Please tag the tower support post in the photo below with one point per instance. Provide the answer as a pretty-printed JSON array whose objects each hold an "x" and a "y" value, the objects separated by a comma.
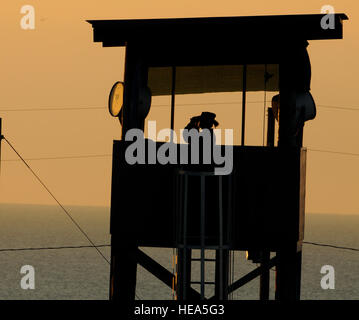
[
  {"x": 123, "y": 272},
  {"x": 288, "y": 274}
]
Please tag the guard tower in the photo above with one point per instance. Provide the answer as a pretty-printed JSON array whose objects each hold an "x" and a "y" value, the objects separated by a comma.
[{"x": 259, "y": 206}]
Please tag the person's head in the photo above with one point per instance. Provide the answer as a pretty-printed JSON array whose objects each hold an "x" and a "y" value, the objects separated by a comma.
[{"x": 208, "y": 120}]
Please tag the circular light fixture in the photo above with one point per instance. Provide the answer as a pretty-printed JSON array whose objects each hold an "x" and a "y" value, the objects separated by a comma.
[{"x": 115, "y": 101}]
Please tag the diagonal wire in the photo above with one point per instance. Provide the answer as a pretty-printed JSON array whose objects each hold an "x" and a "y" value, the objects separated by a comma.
[
  {"x": 51, "y": 109},
  {"x": 62, "y": 207},
  {"x": 109, "y": 245},
  {"x": 62, "y": 157},
  {"x": 330, "y": 246},
  {"x": 57, "y": 201},
  {"x": 335, "y": 152},
  {"x": 52, "y": 248}
]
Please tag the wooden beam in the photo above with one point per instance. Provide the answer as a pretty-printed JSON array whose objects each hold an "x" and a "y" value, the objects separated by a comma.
[
  {"x": 250, "y": 276},
  {"x": 214, "y": 30},
  {"x": 161, "y": 273}
]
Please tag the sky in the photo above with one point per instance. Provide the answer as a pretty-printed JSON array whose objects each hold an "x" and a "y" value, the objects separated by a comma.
[{"x": 57, "y": 65}]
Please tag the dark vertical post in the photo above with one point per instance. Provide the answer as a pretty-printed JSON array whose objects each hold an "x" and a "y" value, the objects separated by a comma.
[
  {"x": 123, "y": 268},
  {"x": 203, "y": 226},
  {"x": 221, "y": 276},
  {"x": 244, "y": 97},
  {"x": 124, "y": 250},
  {"x": 136, "y": 74},
  {"x": 173, "y": 97},
  {"x": 290, "y": 75},
  {"x": 265, "y": 254},
  {"x": 184, "y": 253},
  {"x": 184, "y": 274},
  {"x": 288, "y": 273},
  {"x": 271, "y": 128},
  {"x": 287, "y": 114},
  {"x": 123, "y": 272},
  {"x": 222, "y": 255},
  {"x": 265, "y": 277}
]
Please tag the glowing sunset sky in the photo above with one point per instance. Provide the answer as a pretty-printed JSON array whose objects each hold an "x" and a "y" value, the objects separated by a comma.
[{"x": 59, "y": 65}]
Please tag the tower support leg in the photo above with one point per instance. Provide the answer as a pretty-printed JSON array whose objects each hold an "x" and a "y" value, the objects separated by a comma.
[
  {"x": 184, "y": 274},
  {"x": 265, "y": 277},
  {"x": 123, "y": 272},
  {"x": 288, "y": 277},
  {"x": 221, "y": 274}
]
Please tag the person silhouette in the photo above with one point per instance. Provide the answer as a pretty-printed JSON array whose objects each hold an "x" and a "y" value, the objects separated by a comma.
[{"x": 205, "y": 121}]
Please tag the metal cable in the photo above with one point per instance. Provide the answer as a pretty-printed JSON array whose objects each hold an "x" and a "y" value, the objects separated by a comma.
[{"x": 57, "y": 201}]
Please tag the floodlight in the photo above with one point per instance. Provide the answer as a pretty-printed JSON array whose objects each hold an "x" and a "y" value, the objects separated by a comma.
[{"x": 115, "y": 101}]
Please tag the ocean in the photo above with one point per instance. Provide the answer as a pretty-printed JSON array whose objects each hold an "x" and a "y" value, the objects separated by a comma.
[{"x": 83, "y": 274}]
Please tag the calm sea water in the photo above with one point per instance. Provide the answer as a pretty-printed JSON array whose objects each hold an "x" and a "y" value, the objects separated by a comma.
[{"x": 83, "y": 274}]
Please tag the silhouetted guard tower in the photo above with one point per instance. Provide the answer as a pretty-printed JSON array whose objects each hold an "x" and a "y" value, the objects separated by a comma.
[{"x": 259, "y": 207}]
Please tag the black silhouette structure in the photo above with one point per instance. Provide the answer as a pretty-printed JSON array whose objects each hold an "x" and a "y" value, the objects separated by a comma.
[
  {"x": 205, "y": 121},
  {"x": 259, "y": 206}
]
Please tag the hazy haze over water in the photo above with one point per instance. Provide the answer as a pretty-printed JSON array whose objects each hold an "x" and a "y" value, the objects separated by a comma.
[{"x": 83, "y": 274}]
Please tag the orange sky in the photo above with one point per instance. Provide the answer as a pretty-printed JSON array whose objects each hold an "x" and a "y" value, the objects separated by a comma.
[{"x": 58, "y": 65}]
